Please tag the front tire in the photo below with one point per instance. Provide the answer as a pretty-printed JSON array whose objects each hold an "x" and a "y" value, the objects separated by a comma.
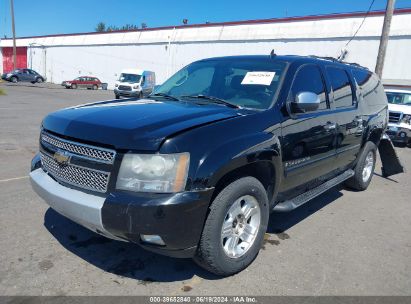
[
  {"x": 364, "y": 169},
  {"x": 234, "y": 229},
  {"x": 95, "y": 87},
  {"x": 117, "y": 96},
  {"x": 74, "y": 86},
  {"x": 39, "y": 80},
  {"x": 14, "y": 79}
]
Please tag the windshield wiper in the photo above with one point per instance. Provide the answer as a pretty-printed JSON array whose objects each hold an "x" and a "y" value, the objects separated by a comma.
[
  {"x": 213, "y": 99},
  {"x": 163, "y": 95}
]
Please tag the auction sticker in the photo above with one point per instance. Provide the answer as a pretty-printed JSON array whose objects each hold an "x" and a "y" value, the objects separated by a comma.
[{"x": 263, "y": 78}]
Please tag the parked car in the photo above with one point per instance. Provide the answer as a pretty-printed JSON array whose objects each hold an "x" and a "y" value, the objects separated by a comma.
[
  {"x": 135, "y": 83},
  {"x": 195, "y": 169},
  {"x": 23, "y": 75},
  {"x": 88, "y": 82},
  {"x": 399, "y": 125}
]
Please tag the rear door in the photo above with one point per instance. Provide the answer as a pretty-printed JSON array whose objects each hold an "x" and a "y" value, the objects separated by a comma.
[
  {"x": 308, "y": 138},
  {"x": 349, "y": 120}
]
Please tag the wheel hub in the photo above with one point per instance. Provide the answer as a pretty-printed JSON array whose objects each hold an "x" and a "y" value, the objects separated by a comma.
[{"x": 240, "y": 226}]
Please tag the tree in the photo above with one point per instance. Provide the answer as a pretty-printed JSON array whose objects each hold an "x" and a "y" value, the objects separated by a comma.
[
  {"x": 143, "y": 25},
  {"x": 101, "y": 27},
  {"x": 127, "y": 27}
]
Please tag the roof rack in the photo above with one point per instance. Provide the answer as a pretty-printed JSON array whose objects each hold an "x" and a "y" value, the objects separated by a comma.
[{"x": 337, "y": 60}]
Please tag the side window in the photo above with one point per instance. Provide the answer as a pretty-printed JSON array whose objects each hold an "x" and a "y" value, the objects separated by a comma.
[
  {"x": 361, "y": 76},
  {"x": 368, "y": 82},
  {"x": 143, "y": 82},
  {"x": 309, "y": 79},
  {"x": 340, "y": 83}
]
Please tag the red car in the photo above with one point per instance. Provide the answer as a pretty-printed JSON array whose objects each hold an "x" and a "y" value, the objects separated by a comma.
[{"x": 88, "y": 82}]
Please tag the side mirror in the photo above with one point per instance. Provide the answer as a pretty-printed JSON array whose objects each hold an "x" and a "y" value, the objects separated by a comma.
[{"x": 305, "y": 102}]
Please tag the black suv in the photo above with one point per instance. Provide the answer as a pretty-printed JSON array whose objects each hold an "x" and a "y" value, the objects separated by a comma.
[{"x": 195, "y": 169}]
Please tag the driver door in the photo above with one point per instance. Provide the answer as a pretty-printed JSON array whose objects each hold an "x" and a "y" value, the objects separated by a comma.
[{"x": 308, "y": 139}]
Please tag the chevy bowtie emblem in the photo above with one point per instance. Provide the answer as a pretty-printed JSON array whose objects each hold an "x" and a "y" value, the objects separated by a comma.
[{"x": 62, "y": 158}]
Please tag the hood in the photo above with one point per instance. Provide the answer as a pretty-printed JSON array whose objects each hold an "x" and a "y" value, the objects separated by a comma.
[
  {"x": 406, "y": 109},
  {"x": 133, "y": 124}
]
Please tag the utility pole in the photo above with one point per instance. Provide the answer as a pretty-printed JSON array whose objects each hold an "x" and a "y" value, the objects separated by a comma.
[
  {"x": 14, "y": 34},
  {"x": 384, "y": 37}
]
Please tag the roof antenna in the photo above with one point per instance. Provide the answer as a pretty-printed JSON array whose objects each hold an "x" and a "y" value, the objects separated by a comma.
[
  {"x": 273, "y": 54},
  {"x": 343, "y": 54}
]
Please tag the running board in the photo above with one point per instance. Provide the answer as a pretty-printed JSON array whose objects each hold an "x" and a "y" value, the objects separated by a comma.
[{"x": 309, "y": 195}]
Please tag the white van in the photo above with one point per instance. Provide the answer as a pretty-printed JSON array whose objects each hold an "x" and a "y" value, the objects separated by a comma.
[{"x": 135, "y": 83}]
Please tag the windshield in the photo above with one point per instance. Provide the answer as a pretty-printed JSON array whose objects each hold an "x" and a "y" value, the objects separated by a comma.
[
  {"x": 399, "y": 98},
  {"x": 130, "y": 78},
  {"x": 249, "y": 83}
]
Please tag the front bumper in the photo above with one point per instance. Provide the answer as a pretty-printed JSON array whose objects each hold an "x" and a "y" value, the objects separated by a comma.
[
  {"x": 178, "y": 217},
  {"x": 80, "y": 207},
  {"x": 399, "y": 133}
]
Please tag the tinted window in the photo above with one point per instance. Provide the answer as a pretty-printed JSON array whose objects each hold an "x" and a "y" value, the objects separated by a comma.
[
  {"x": 341, "y": 86},
  {"x": 361, "y": 76},
  {"x": 309, "y": 79}
]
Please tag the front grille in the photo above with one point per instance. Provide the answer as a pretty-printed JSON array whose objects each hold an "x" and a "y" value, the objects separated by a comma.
[
  {"x": 95, "y": 153},
  {"x": 124, "y": 88},
  {"x": 394, "y": 117},
  {"x": 75, "y": 175}
]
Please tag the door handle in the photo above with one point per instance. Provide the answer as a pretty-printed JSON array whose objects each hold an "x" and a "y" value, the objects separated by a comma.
[{"x": 330, "y": 126}]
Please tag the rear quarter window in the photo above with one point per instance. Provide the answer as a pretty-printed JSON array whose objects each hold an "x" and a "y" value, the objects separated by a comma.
[{"x": 341, "y": 85}]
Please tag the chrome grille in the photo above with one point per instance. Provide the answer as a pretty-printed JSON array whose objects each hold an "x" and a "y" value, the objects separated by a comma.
[
  {"x": 96, "y": 153},
  {"x": 78, "y": 176},
  {"x": 394, "y": 117}
]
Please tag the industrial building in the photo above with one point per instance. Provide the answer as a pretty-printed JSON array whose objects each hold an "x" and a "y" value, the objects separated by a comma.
[{"x": 167, "y": 49}]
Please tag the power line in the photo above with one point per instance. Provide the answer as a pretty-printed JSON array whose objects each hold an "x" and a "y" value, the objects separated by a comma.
[{"x": 362, "y": 23}]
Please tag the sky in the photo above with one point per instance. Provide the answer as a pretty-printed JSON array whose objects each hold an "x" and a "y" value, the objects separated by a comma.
[{"x": 46, "y": 17}]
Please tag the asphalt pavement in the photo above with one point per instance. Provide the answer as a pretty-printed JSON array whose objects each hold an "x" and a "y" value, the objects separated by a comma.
[{"x": 341, "y": 243}]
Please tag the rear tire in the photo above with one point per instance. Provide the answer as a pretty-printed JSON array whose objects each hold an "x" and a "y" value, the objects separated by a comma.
[
  {"x": 364, "y": 169},
  {"x": 230, "y": 242}
]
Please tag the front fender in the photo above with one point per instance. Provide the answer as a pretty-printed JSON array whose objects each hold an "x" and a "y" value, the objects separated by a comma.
[{"x": 238, "y": 153}]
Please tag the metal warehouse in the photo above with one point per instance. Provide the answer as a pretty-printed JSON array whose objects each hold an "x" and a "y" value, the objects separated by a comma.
[{"x": 167, "y": 49}]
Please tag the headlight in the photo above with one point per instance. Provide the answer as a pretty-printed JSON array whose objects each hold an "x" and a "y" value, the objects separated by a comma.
[
  {"x": 153, "y": 172},
  {"x": 406, "y": 119},
  {"x": 135, "y": 87}
]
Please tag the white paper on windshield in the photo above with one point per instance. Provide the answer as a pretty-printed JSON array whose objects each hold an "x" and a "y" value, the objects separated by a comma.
[{"x": 263, "y": 78}]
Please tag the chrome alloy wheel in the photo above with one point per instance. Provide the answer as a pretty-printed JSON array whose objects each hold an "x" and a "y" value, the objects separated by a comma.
[
  {"x": 368, "y": 167},
  {"x": 240, "y": 226}
]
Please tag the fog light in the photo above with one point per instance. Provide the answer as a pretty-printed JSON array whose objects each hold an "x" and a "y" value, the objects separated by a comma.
[
  {"x": 153, "y": 239},
  {"x": 402, "y": 134}
]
